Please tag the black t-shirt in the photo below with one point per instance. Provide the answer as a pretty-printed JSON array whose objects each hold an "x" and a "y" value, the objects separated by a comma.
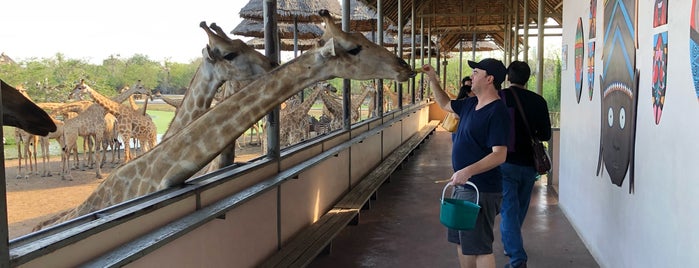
[{"x": 519, "y": 148}]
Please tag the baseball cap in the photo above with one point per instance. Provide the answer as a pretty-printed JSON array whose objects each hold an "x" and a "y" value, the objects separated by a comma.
[{"x": 493, "y": 67}]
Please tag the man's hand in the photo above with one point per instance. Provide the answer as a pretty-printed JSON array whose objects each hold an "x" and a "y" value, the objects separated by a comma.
[{"x": 460, "y": 177}]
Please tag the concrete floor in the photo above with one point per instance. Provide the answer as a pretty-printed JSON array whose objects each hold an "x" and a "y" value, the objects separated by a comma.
[{"x": 402, "y": 228}]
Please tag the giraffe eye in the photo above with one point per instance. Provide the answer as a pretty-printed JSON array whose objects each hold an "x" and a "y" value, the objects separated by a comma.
[
  {"x": 230, "y": 56},
  {"x": 610, "y": 117},
  {"x": 355, "y": 50},
  {"x": 622, "y": 118}
]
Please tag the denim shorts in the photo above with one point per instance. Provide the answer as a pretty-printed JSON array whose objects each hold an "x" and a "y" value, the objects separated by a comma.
[{"x": 478, "y": 241}]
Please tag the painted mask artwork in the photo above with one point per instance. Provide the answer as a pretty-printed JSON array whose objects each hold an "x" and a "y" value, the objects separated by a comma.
[
  {"x": 694, "y": 44},
  {"x": 659, "y": 74},
  {"x": 591, "y": 68},
  {"x": 660, "y": 13},
  {"x": 579, "y": 55},
  {"x": 619, "y": 87},
  {"x": 593, "y": 19}
]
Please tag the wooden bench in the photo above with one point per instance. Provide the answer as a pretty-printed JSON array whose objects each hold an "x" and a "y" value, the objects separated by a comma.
[{"x": 300, "y": 250}]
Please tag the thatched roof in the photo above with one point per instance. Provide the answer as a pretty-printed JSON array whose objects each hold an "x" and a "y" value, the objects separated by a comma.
[
  {"x": 481, "y": 45},
  {"x": 303, "y": 10},
  {"x": 286, "y": 30},
  {"x": 4, "y": 59},
  {"x": 457, "y": 20},
  {"x": 285, "y": 44}
]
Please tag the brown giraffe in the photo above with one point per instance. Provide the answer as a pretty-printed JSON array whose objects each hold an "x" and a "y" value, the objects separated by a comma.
[
  {"x": 90, "y": 123},
  {"x": 339, "y": 54},
  {"x": 126, "y": 117},
  {"x": 44, "y": 144},
  {"x": 224, "y": 59},
  {"x": 332, "y": 108},
  {"x": 294, "y": 120},
  {"x": 26, "y": 148},
  {"x": 172, "y": 102},
  {"x": 19, "y": 111}
]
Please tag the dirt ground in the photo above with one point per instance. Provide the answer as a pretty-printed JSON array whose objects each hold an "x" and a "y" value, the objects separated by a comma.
[{"x": 34, "y": 199}]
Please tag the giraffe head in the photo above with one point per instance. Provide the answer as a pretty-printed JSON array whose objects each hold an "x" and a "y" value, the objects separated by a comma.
[
  {"x": 79, "y": 89},
  {"x": 19, "y": 111},
  {"x": 139, "y": 88},
  {"x": 235, "y": 59},
  {"x": 355, "y": 57}
]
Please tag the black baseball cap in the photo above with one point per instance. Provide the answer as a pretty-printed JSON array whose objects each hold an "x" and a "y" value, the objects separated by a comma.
[{"x": 493, "y": 67}]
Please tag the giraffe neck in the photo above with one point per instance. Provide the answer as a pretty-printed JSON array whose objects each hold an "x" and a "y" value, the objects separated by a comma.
[
  {"x": 124, "y": 95},
  {"x": 132, "y": 103},
  {"x": 108, "y": 104},
  {"x": 357, "y": 102},
  {"x": 333, "y": 105},
  {"x": 197, "y": 99},
  {"x": 307, "y": 103},
  {"x": 177, "y": 158}
]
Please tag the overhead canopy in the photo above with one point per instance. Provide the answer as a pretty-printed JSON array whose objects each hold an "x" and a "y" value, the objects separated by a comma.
[
  {"x": 288, "y": 10},
  {"x": 456, "y": 20},
  {"x": 253, "y": 28},
  {"x": 285, "y": 44}
]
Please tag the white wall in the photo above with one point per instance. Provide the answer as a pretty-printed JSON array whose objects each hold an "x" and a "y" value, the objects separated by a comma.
[{"x": 657, "y": 225}]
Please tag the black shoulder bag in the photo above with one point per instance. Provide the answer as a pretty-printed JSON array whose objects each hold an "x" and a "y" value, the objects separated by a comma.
[{"x": 541, "y": 157}]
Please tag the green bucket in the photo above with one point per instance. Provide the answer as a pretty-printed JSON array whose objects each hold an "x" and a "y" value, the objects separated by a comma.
[{"x": 459, "y": 214}]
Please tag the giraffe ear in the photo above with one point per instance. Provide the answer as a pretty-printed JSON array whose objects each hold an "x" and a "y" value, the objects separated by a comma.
[
  {"x": 206, "y": 54},
  {"x": 327, "y": 50}
]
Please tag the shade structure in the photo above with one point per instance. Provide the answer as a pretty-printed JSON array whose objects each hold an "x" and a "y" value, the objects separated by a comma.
[
  {"x": 253, "y": 28},
  {"x": 288, "y": 10},
  {"x": 363, "y": 18},
  {"x": 481, "y": 45},
  {"x": 389, "y": 40},
  {"x": 284, "y": 44}
]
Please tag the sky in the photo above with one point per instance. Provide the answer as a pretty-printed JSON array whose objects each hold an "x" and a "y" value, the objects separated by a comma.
[{"x": 93, "y": 30}]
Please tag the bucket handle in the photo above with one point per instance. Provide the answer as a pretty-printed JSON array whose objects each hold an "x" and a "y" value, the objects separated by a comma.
[{"x": 467, "y": 183}]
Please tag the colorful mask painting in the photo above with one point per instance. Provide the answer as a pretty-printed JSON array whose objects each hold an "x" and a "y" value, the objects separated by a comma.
[
  {"x": 591, "y": 68},
  {"x": 593, "y": 19},
  {"x": 660, "y": 13},
  {"x": 579, "y": 55},
  {"x": 659, "y": 74},
  {"x": 694, "y": 44},
  {"x": 619, "y": 86}
]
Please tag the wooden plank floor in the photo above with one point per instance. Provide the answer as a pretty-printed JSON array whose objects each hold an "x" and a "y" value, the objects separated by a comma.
[{"x": 402, "y": 228}]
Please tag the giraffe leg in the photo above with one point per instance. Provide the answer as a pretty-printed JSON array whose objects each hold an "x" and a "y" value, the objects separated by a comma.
[{"x": 127, "y": 147}]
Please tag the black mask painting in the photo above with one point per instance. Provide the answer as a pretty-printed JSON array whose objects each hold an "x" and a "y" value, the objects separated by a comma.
[{"x": 619, "y": 86}]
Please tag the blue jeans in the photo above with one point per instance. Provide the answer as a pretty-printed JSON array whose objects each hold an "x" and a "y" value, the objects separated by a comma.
[{"x": 517, "y": 184}]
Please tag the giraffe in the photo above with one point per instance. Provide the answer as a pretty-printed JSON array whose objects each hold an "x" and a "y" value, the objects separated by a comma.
[
  {"x": 224, "y": 59},
  {"x": 175, "y": 159},
  {"x": 44, "y": 144},
  {"x": 334, "y": 107},
  {"x": 126, "y": 117},
  {"x": 357, "y": 102},
  {"x": 26, "y": 147},
  {"x": 294, "y": 127},
  {"x": 90, "y": 123},
  {"x": 19, "y": 111},
  {"x": 172, "y": 102}
]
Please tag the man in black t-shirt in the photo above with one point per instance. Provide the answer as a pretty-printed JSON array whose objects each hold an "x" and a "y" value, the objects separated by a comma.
[{"x": 518, "y": 171}]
